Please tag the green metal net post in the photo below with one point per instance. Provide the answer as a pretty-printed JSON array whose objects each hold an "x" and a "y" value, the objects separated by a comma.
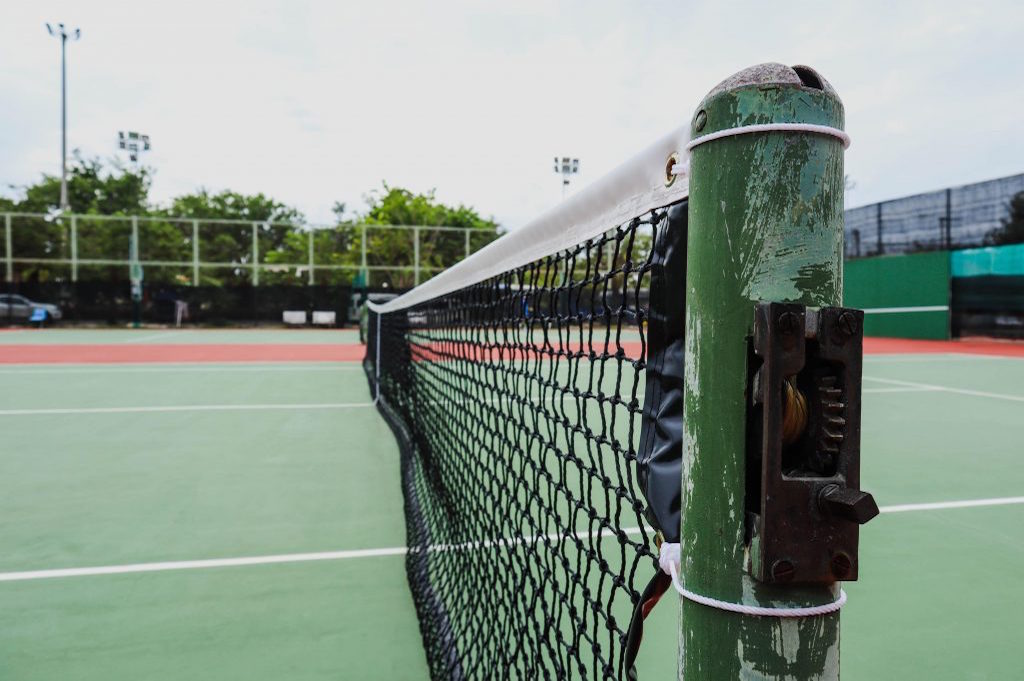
[{"x": 765, "y": 224}]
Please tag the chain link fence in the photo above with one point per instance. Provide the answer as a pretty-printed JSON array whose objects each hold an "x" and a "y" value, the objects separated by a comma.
[
  {"x": 958, "y": 217},
  {"x": 227, "y": 270}
]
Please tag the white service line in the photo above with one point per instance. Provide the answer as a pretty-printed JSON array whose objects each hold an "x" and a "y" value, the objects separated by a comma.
[
  {"x": 967, "y": 503},
  {"x": 199, "y": 564},
  {"x": 897, "y": 390},
  {"x": 151, "y": 336},
  {"x": 171, "y": 369},
  {"x": 402, "y": 550},
  {"x": 893, "y": 310},
  {"x": 184, "y": 407},
  {"x": 930, "y": 357},
  {"x": 933, "y": 357},
  {"x": 969, "y": 355},
  {"x": 947, "y": 389}
]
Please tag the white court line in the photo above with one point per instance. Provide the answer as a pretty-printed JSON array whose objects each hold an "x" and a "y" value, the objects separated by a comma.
[
  {"x": 897, "y": 390},
  {"x": 934, "y": 357},
  {"x": 170, "y": 368},
  {"x": 968, "y": 503},
  {"x": 151, "y": 336},
  {"x": 199, "y": 564},
  {"x": 402, "y": 550},
  {"x": 946, "y": 389},
  {"x": 892, "y": 310},
  {"x": 185, "y": 407},
  {"x": 968, "y": 355}
]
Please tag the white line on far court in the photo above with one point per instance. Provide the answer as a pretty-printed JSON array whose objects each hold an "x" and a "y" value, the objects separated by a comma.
[
  {"x": 173, "y": 369},
  {"x": 947, "y": 389},
  {"x": 893, "y": 310},
  {"x": 905, "y": 389},
  {"x": 967, "y": 503},
  {"x": 402, "y": 550},
  {"x": 152, "y": 336},
  {"x": 185, "y": 407}
]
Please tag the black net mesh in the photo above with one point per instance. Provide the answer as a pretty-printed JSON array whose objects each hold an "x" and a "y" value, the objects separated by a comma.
[{"x": 517, "y": 406}]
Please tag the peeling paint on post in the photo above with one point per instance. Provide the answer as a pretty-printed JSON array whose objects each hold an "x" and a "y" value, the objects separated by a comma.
[{"x": 765, "y": 223}]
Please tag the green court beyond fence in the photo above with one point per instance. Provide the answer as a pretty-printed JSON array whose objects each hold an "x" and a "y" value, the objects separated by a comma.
[
  {"x": 903, "y": 296},
  {"x": 936, "y": 295}
]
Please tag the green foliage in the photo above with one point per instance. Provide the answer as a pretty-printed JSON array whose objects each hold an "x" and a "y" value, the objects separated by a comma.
[
  {"x": 120, "y": 191},
  {"x": 1012, "y": 231},
  {"x": 229, "y": 205},
  {"x": 92, "y": 190},
  {"x": 283, "y": 241},
  {"x": 230, "y": 242},
  {"x": 438, "y": 249}
]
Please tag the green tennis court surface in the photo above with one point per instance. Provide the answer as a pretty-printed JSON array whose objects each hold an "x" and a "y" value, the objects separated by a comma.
[{"x": 162, "y": 476}]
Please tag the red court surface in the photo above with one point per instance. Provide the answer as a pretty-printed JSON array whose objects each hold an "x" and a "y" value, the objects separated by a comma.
[
  {"x": 977, "y": 346},
  {"x": 141, "y": 354},
  {"x": 354, "y": 352}
]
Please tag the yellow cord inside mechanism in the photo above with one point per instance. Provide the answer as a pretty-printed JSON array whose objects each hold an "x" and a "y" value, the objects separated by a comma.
[{"x": 794, "y": 412}]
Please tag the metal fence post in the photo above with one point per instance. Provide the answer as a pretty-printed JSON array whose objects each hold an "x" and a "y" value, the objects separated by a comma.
[
  {"x": 948, "y": 236},
  {"x": 765, "y": 224},
  {"x": 362, "y": 251},
  {"x": 74, "y": 248},
  {"x": 195, "y": 252},
  {"x": 467, "y": 242},
  {"x": 878, "y": 220},
  {"x": 134, "y": 249},
  {"x": 255, "y": 255},
  {"x": 416, "y": 256},
  {"x": 8, "y": 254},
  {"x": 310, "y": 256}
]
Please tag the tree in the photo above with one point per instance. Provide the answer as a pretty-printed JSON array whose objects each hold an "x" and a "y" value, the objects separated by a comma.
[
  {"x": 166, "y": 233},
  {"x": 92, "y": 190},
  {"x": 438, "y": 248},
  {"x": 1012, "y": 230},
  {"x": 230, "y": 242},
  {"x": 119, "y": 191}
]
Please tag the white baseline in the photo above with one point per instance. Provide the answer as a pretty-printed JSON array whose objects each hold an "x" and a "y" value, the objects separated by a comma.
[
  {"x": 184, "y": 407},
  {"x": 399, "y": 550}
]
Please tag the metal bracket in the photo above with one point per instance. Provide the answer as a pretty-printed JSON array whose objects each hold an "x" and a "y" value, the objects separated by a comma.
[{"x": 804, "y": 503}]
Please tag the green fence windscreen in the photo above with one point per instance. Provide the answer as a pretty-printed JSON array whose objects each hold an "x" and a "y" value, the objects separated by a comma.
[
  {"x": 903, "y": 296},
  {"x": 1004, "y": 261},
  {"x": 988, "y": 291}
]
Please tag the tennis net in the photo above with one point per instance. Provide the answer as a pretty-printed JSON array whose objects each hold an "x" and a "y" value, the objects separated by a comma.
[{"x": 515, "y": 385}]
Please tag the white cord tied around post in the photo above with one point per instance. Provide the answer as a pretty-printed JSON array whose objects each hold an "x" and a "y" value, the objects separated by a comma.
[
  {"x": 669, "y": 560},
  {"x": 683, "y": 167}
]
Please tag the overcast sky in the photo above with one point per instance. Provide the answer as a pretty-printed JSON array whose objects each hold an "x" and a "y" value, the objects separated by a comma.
[{"x": 313, "y": 103}]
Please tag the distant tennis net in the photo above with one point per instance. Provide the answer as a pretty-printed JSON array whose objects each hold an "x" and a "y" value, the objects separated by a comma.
[{"x": 515, "y": 386}]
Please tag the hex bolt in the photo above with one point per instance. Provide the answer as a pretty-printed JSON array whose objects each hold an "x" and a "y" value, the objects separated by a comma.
[
  {"x": 788, "y": 323},
  {"x": 701, "y": 120},
  {"x": 841, "y": 565},
  {"x": 783, "y": 571},
  {"x": 847, "y": 324},
  {"x": 853, "y": 505}
]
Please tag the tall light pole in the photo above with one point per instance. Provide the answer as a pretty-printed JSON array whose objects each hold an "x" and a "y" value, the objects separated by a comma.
[
  {"x": 566, "y": 167},
  {"x": 61, "y": 33}
]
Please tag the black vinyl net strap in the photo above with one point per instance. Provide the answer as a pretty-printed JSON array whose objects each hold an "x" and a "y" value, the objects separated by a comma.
[{"x": 516, "y": 403}]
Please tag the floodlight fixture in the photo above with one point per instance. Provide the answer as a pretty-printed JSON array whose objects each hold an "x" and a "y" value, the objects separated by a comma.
[
  {"x": 133, "y": 142},
  {"x": 566, "y": 167}
]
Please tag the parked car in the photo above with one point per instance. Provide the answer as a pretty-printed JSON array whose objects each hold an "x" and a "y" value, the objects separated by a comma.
[
  {"x": 17, "y": 307},
  {"x": 364, "y": 312}
]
